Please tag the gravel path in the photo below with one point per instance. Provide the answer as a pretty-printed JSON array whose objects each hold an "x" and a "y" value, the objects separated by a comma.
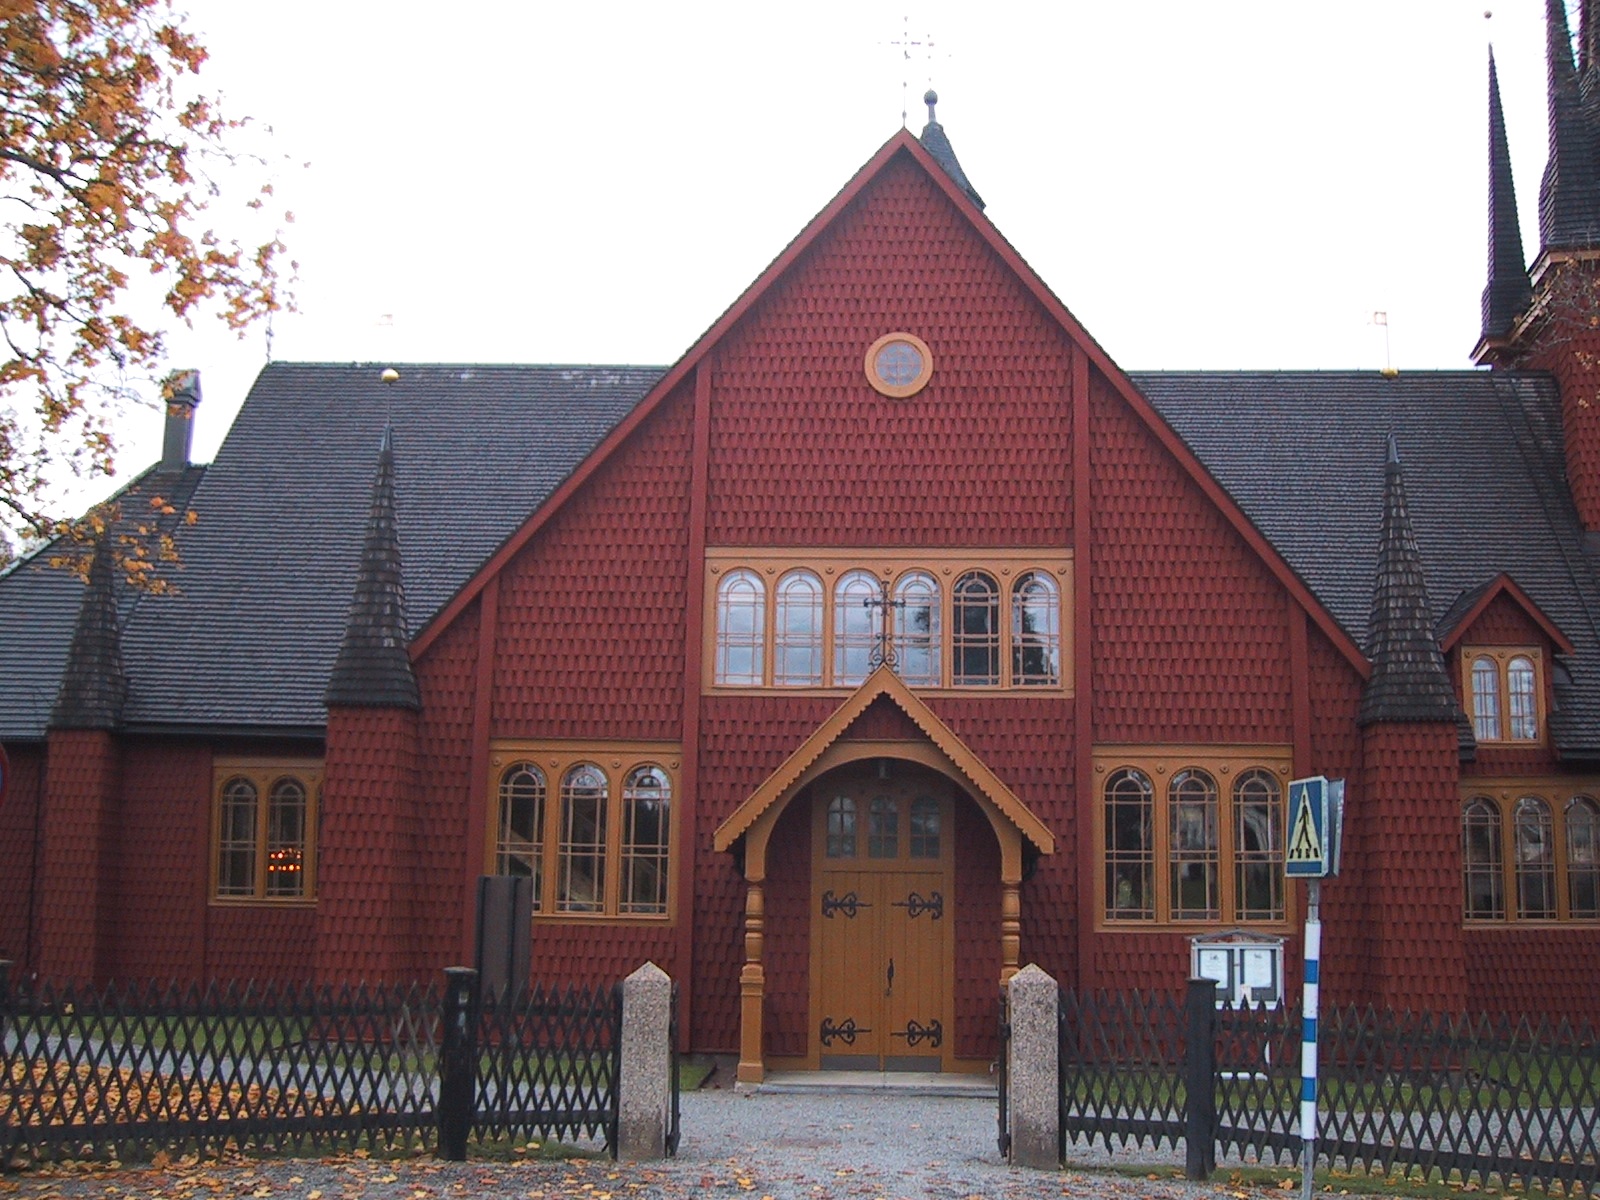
[{"x": 786, "y": 1147}]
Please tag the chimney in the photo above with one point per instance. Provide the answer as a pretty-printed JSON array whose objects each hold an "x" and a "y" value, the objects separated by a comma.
[{"x": 182, "y": 392}]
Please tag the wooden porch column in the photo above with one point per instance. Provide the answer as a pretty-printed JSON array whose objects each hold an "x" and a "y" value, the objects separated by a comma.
[
  {"x": 752, "y": 986},
  {"x": 1010, "y": 929}
]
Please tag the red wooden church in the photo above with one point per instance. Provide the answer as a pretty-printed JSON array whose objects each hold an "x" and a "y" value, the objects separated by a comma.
[{"x": 890, "y": 639}]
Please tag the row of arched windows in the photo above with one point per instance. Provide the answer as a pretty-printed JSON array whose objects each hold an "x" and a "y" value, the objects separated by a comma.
[
  {"x": 264, "y": 847},
  {"x": 803, "y": 633},
  {"x": 1504, "y": 688},
  {"x": 600, "y": 845},
  {"x": 1193, "y": 849},
  {"x": 1531, "y": 859}
]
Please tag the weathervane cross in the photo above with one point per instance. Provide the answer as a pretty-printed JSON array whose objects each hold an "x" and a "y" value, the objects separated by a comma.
[{"x": 906, "y": 44}]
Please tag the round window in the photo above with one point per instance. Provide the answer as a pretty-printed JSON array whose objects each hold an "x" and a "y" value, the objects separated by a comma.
[{"x": 899, "y": 364}]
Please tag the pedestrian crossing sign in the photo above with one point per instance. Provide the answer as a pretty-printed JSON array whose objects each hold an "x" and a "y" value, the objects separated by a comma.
[{"x": 1316, "y": 818}]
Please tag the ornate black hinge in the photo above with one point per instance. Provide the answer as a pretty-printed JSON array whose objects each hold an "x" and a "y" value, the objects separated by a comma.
[
  {"x": 916, "y": 1032},
  {"x": 845, "y": 1032},
  {"x": 849, "y": 904},
  {"x": 915, "y": 904}
]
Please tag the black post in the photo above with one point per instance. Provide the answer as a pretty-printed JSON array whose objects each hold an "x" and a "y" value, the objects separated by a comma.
[
  {"x": 458, "y": 1062},
  {"x": 1200, "y": 1079}
]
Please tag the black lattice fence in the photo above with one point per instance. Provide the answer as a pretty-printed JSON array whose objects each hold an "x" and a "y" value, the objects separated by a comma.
[
  {"x": 135, "y": 1069},
  {"x": 1122, "y": 1069},
  {"x": 131, "y": 1070},
  {"x": 548, "y": 1064},
  {"x": 1475, "y": 1097}
]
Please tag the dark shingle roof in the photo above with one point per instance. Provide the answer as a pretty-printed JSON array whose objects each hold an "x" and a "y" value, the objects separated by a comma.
[
  {"x": 1302, "y": 453},
  {"x": 40, "y": 603},
  {"x": 249, "y": 640},
  {"x": 374, "y": 667}
]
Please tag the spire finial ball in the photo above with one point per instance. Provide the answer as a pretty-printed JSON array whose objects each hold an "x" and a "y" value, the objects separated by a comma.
[
  {"x": 390, "y": 375},
  {"x": 930, "y": 98}
]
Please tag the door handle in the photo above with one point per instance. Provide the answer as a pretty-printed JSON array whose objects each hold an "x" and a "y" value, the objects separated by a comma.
[{"x": 889, "y": 991}]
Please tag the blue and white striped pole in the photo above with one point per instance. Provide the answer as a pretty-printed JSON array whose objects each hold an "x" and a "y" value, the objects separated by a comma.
[{"x": 1308, "y": 1039}]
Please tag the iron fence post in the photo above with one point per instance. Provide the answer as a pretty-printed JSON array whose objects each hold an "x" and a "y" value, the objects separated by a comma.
[
  {"x": 458, "y": 1062},
  {"x": 1200, "y": 1076}
]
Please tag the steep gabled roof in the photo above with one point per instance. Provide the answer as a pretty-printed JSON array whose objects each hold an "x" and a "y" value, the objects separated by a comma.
[
  {"x": 1302, "y": 452},
  {"x": 269, "y": 569},
  {"x": 1471, "y": 604},
  {"x": 904, "y": 144}
]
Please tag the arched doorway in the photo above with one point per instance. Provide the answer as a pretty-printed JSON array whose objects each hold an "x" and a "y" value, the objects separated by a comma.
[{"x": 882, "y": 920}]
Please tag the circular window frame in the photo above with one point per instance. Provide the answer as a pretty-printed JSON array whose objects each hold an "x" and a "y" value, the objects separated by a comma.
[{"x": 899, "y": 391}]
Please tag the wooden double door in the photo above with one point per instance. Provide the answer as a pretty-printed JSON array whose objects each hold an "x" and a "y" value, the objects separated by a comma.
[{"x": 882, "y": 922}]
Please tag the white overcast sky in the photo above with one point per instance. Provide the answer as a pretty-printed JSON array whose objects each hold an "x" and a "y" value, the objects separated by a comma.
[{"x": 1239, "y": 183}]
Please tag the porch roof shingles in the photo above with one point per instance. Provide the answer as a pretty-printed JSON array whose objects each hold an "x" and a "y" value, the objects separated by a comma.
[
  {"x": 1303, "y": 454},
  {"x": 269, "y": 568}
]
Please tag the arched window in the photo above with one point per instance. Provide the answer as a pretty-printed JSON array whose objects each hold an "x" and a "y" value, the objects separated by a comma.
[
  {"x": 646, "y": 828},
  {"x": 797, "y": 631},
  {"x": 519, "y": 847},
  {"x": 1483, "y": 865},
  {"x": 286, "y": 838},
  {"x": 1130, "y": 845},
  {"x": 1258, "y": 847},
  {"x": 236, "y": 838},
  {"x": 1035, "y": 630},
  {"x": 857, "y": 624},
  {"x": 741, "y": 629},
  {"x": 975, "y": 630},
  {"x": 916, "y": 629},
  {"x": 265, "y": 821},
  {"x": 1524, "y": 706},
  {"x": 1583, "y": 858},
  {"x": 1485, "y": 699},
  {"x": 841, "y": 827},
  {"x": 1193, "y": 854},
  {"x": 1535, "y": 860},
  {"x": 581, "y": 847}
]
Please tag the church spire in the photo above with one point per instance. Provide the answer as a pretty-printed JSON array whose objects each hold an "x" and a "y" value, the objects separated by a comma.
[
  {"x": 1508, "y": 292},
  {"x": 1409, "y": 681},
  {"x": 1568, "y": 217},
  {"x": 373, "y": 669},
  {"x": 936, "y": 144}
]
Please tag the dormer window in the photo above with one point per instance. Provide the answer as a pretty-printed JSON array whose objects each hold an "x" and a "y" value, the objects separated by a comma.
[{"x": 1505, "y": 691}]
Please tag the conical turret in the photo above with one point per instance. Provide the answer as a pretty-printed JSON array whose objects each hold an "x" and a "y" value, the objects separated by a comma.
[
  {"x": 1409, "y": 681},
  {"x": 373, "y": 668}
]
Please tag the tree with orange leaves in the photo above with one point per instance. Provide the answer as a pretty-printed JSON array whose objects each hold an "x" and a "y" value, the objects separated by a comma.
[{"x": 105, "y": 149}]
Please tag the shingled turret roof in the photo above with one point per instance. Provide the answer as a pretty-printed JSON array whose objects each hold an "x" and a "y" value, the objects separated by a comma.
[
  {"x": 935, "y": 142},
  {"x": 373, "y": 668},
  {"x": 94, "y": 685},
  {"x": 1409, "y": 681},
  {"x": 1508, "y": 292}
]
